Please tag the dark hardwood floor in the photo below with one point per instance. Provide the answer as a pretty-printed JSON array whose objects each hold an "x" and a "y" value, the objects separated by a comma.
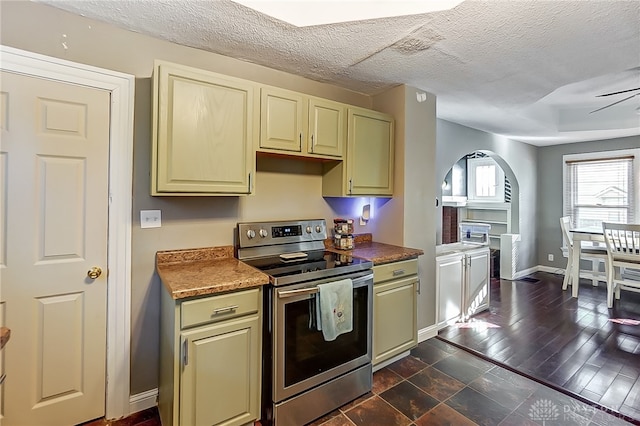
[{"x": 566, "y": 343}]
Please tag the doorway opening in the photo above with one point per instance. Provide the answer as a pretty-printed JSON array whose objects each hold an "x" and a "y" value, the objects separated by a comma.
[{"x": 481, "y": 188}]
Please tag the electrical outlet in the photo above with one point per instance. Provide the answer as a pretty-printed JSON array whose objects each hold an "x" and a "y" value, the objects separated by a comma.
[
  {"x": 550, "y": 257},
  {"x": 150, "y": 219}
]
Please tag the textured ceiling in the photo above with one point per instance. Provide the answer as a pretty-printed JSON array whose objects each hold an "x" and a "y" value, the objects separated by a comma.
[{"x": 526, "y": 69}]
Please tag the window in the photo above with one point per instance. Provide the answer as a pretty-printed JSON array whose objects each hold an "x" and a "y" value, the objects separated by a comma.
[
  {"x": 485, "y": 180},
  {"x": 599, "y": 187}
]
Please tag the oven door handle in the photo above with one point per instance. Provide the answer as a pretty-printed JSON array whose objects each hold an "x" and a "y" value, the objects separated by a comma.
[
  {"x": 298, "y": 292},
  {"x": 358, "y": 281}
]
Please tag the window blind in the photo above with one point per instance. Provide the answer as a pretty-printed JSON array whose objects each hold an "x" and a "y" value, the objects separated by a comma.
[{"x": 599, "y": 191}]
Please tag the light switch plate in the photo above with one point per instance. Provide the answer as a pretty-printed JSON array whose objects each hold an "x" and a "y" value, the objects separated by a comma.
[{"x": 150, "y": 219}]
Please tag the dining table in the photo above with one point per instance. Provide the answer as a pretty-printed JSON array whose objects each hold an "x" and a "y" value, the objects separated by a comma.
[{"x": 580, "y": 234}]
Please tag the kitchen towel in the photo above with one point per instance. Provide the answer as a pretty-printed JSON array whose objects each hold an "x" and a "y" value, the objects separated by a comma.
[{"x": 335, "y": 305}]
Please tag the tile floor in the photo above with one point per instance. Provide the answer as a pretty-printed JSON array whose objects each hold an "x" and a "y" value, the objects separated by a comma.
[{"x": 439, "y": 384}]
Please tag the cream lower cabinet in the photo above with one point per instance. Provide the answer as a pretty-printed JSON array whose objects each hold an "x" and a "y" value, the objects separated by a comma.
[
  {"x": 210, "y": 360},
  {"x": 395, "y": 322},
  {"x": 477, "y": 281},
  {"x": 368, "y": 167},
  {"x": 294, "y": 123},
  {"x": 462, "y": 285},
  {"x": 449, "y": 285},
  {"x": 204, "y": 125}
]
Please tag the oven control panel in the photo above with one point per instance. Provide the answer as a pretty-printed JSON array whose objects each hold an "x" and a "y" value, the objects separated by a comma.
[
  {"x": 286, "y": 231},
  {"x": 257, "y": 234}
]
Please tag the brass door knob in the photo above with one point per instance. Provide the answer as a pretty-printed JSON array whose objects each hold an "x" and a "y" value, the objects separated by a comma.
[{"x": 94, "y": 272}]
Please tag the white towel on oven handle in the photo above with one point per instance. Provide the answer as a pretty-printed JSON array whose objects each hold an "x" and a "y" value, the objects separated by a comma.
[{"x": 335, "y": 308}]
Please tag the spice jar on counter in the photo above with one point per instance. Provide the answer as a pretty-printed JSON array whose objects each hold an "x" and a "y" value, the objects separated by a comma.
[
  {"x": 343, "y": 241},
  {"x": 343, "y": 226}
]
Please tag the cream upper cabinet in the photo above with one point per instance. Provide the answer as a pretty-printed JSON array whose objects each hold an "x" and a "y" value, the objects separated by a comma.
[
  {"x": 281, "y": 119},
  {"x": 203, "y": 132},
  {"x": 327, "y": 127},
  {"x": 301, "y": 125},
  {"x": 368, "y": 167}
]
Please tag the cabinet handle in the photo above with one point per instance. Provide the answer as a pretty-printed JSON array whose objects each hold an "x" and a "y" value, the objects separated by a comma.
[
  {"x": 418, "y": 289},
  {"x": 398, "y": 272},
  {"x": 250, "y": 183},
  {"x": 350, "y": 186},
  {"x": 4, "y": 376},
  {"x": 225, "y": 310},
  {"x": 185, "y": 352},
  {"x": 311, "y": 143}
]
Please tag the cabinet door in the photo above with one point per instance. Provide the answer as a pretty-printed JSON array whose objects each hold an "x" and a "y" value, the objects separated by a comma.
[
  {"x": 477, "y": 282},
  {"x": 395, "y": 322},
  {"x": 370, "y": 153},
  {"x": 203, "y": 132},
  {"x": 221, "y": 373},
  {"x": 327, "y": 127},
  {"x": 281, "y": 119},
  {"x": 449, "y": 282}
]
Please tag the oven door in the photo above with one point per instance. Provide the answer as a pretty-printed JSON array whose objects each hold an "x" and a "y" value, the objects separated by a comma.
[{"x": 302, "y": 358}]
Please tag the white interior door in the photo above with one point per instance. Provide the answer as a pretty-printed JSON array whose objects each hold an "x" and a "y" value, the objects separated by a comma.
[{"x": 54, "y": 158}]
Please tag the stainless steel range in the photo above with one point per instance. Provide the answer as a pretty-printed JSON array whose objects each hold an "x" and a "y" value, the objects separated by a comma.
[{"x": 306, "y": 376}]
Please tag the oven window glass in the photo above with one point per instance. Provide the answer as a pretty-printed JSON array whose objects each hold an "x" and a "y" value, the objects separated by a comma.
[{"x": 307, "y": 354}]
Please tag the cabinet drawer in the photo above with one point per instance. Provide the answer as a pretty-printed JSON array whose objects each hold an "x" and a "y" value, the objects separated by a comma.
[
  {"x": 219, "y": 308},
  {"x": 395, "y": 270}
]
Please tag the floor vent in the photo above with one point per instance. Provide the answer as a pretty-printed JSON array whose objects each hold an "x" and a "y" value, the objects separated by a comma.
[{"x": 528, "y": 280}]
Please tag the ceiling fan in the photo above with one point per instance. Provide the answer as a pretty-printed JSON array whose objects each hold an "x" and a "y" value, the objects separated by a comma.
[{"x": 637, "y": 89}]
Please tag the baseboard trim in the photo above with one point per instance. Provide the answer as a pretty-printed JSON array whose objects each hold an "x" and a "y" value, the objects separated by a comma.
[
  {"x": 427, "y": 333},
  {"x": 525, "y": 272},
  {"x": 143, "y": 400},
  {"x": 550, "y": 269},
  {"x": 584, "y": 274},
  {"x": 390, "y": 361}
]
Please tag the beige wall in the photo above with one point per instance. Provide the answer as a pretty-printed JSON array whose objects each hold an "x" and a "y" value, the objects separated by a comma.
[
  {"x": 285, "y": 188},
  {"x": 409, "y": 219}
]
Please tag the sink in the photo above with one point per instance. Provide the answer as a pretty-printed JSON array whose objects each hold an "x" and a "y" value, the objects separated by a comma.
[{"x": 452, "y": 248}]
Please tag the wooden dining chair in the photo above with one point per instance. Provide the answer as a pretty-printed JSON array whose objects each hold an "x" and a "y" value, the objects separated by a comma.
[
  {"x": 623, "y": 250},
  {"x": 594, "y": 254}
]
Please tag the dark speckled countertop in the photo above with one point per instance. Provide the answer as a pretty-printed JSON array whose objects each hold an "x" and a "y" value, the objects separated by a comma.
[
  {"x": 205, "y": 271},
  {"x": 378, "y": 253},
  {"x": 212, "y": 270}
]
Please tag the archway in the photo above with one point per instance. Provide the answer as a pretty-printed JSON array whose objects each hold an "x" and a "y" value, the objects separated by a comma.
[{"x": 481, "y": 187}]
